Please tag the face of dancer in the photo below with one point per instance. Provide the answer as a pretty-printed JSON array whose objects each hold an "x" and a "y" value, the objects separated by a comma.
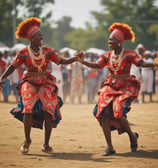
[
  {"x": 113, "y": 42},
  {"x": 37, "y": 39}
]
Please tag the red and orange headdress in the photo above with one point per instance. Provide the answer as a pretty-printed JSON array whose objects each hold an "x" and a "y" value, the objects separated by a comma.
[
  {"x": 28, "y": 28},
  {"x": 122, "y": 32}
]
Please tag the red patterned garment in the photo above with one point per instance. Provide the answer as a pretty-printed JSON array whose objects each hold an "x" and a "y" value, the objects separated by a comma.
[
  {"x": 38, "y": 83},
  {"x": 2, "y": 66},
  {"x": 120, "y": 87}
]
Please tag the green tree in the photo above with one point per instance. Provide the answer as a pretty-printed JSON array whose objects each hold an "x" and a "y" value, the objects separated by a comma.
[
  {"x": 153, "y": 32},
  {"x": 62, "y": 28},
  {"x": 81, "y": 39},
  {"x": 6, "y": 30},
  {"x": 36, "y": 8},
  {"x": 30, "y": 7},
  {"x": 48, "y": 34},
  {"x": 141, "y": 15}
]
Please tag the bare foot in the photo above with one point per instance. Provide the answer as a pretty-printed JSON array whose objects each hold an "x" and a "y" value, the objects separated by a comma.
[
  {"x": 25, "y": 147},
  {"x": 109, "y": 151},
  {"x": 47, "y": 149},
  {"x": 134, "y": 143}
]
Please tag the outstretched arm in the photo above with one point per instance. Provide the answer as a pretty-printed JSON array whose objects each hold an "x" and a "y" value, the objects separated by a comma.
[
  {"x": 10, "y": 69},
  {"x": 68, "y": 61},
  {"x": 90, "y": 64}
]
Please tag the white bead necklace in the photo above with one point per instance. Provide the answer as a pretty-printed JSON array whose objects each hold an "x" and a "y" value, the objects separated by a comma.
[
  {"x": 115, "y": 61},
  {"x": 33, "y": 58}
]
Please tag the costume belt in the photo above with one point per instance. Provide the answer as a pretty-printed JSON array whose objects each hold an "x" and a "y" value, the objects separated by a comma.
[
  {"x": 36, "y": 73},
  {"x": 120, "y": 76}
]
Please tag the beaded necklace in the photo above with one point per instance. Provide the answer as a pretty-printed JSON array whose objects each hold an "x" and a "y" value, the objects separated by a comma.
[
  {"x": 36, "y": 64},
  {"x": 115, "y": 61}
]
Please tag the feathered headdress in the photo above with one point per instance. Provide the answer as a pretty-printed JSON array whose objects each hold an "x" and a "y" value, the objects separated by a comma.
[
  {"x": 28, "y": 28},
  {"x": 122, "y": 32}
]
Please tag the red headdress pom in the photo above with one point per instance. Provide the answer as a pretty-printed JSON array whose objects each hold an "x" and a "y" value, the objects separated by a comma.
[
  {"x": 123, "y": 31},
  {"x": 28, "y": 28}
]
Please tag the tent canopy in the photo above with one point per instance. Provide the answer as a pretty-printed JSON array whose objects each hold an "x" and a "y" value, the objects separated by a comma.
[
  {"x": 95, "y": 51},
  {"x": 3, "y": 49},
  {"x": 18, "y": 46},
  {"x": 70, "y": 50}
]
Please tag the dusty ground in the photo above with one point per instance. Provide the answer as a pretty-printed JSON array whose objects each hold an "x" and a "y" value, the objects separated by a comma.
[{"x": 78, "y": 141}]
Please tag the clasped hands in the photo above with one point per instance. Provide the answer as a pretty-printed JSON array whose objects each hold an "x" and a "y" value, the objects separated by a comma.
[{"x": 79, "y": 56}]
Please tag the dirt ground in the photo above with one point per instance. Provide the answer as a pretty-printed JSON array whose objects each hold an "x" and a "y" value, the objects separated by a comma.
[{"x": 78, "y": 140}]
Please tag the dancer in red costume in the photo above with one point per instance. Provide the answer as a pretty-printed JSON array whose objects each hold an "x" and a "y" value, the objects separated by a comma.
[
  {"x": 39, "y": 102},
  {"x": 120, "y": 88}
]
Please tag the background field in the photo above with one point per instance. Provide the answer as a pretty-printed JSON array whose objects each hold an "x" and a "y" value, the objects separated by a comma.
[{"x": 78, "y": 140}]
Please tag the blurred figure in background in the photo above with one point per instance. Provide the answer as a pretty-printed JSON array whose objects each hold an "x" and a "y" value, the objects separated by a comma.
[
  {"x": 135, "y": 70},
  {"x": 66, "y": 75},
  {"x": 2, "y": 69},
  {"x": 154, "y": 55},
  {"x": 156, "y": 72},
  {"x": 147, "y": 77},
  {"x": 92, "y": 80},
  {"x": 76, "y": 87},
  {"x": 7, "y": 86},
  {"x": 57, "y": 72},
  {"x": 14, "y": 77},
  {"x": 140, "y": 49}
]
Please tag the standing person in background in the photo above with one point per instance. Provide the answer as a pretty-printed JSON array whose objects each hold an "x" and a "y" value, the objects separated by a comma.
[
  {"x": 7, "y": 86},
  {"x": 76, "y": 87},
  {"x": 147, "y": 78},
  {"x": 140, "y": 49},
  {"x": 156, "y": 72},
  {"x": 57, "y": 72},
  {"x": 38, "y": 90},
  {"x": 85, "y": 72},
  {"x": 135, "y": 70},
  {"x": 66, "y": 72},
  {"x": 92, "y": 79},
  {"x": 2, "y": 69},
  {"x": 120, "y": 88},
  {"x": 153, "y": 56},
  {"x": 14, "y": 78}
]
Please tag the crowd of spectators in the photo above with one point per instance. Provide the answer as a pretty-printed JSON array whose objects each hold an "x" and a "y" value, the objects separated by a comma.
[{"x": 76, "y": 80}]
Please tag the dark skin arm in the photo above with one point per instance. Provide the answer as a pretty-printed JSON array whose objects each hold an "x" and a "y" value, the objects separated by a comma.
[
  {"x": 10, "y": 69},
  {"x": 80, "y": 58},
  {"x": 68, "y": 61},
  {"x": 95, "y": 65},
  {"x": 91, "y": 64}
]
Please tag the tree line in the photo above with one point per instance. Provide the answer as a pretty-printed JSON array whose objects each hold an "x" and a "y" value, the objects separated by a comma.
[{"x": 140, "y": 15}]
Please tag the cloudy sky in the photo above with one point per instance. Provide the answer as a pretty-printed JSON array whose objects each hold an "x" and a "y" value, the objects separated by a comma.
[{"x": 79, "y": 10}]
